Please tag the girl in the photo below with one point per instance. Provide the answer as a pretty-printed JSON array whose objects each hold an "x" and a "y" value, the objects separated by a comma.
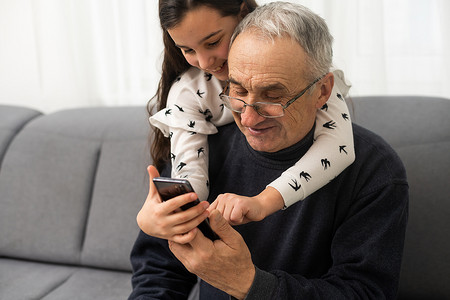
[{"x": 196, "y": 37}]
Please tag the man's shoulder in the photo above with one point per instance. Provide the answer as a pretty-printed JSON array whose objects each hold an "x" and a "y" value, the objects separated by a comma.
[{"x": 375, "y": 155}]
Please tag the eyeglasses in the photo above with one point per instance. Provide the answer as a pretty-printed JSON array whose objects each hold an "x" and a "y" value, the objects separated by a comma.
[{"x": 264, "y": 109}]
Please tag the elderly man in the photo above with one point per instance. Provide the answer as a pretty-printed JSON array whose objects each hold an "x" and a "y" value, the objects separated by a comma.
[{"x": 343, "y": 242}]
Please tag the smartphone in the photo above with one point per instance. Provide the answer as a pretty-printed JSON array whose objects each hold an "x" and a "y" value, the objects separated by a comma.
[{"x": 169, "y": 188}]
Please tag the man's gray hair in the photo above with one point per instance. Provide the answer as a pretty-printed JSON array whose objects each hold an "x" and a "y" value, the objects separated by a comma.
[{"x": 281, "y": 19}]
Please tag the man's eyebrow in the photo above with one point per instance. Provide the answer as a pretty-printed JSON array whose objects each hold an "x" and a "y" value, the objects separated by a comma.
[
  {"x": 273, "y": 87},
  {"x": 233, "y": 81},
  {"x": 270, "y": 87},
  {"x": 203, "y": 39}
]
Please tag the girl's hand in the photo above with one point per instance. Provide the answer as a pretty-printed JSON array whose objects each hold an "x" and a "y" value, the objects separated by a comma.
[
  {"x": 238, "y": 209},
  {"x": 165, "y": 219}
]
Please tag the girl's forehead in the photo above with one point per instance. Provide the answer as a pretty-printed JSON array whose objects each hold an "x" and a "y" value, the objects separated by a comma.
[{"x": 200, "y": 24}]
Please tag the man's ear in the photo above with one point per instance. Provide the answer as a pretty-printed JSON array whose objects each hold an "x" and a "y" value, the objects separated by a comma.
[{"x": 325, "y": 85}]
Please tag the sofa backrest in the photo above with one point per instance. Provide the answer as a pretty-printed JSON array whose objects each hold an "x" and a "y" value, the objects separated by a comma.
[
  {"x": 71, "y": 184},
  {"x": 13, "y": 118},
  {"x": 418, "y": 128}
]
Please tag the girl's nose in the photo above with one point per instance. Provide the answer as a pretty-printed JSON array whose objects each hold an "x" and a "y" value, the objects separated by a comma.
[{"x": 205, "y": 61}]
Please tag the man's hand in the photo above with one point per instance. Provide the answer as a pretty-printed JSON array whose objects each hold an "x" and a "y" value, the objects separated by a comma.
[
  {"x": 165, "y": 219},
  {"x": 225, "y": 264}
]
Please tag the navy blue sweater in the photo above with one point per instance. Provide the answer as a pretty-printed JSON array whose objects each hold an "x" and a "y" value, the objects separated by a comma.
[{"x": 345, "y": 241}]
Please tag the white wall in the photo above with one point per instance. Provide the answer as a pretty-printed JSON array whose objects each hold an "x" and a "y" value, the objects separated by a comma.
[{"x": 58, "y": 54}]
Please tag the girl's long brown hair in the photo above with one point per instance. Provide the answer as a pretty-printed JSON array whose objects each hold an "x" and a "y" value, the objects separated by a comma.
[{"x": 171, "y": 12}]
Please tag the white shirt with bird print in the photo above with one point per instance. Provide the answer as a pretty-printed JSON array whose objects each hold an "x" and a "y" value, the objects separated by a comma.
[{"x": 194, "y": 111}]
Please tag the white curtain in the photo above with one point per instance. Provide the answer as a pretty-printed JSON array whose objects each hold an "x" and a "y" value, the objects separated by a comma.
[
  {"x": 57, "y": 54},
  {"x": 69, "y": 53}
]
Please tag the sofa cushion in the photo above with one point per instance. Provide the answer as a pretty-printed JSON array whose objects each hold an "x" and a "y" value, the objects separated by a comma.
[
  {"x": 93, "y": 284},
  {"x": 30, "y": 280},
  {"x": 112, "y": 216},
  {"x": 71, "y": 185}
]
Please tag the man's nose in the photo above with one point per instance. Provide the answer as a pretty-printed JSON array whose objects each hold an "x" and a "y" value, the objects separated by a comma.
[{"x": 250, "y": 118}]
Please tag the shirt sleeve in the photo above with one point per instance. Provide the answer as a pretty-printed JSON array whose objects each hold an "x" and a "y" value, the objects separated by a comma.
[
  {"x": 331, "y": 152},
  {"x": 157, "y": 274},
  {"x": 193, "y": 111}
]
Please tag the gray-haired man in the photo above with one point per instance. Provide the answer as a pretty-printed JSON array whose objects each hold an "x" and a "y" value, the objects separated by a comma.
[{"x": 343, "y": 242}]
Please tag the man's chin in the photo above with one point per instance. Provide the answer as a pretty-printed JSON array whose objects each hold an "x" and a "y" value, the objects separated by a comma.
[{"x": 260, "y": 144}]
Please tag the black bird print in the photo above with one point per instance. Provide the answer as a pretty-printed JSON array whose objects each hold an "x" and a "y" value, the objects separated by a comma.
[
  {"x": 200, "y": 93},
  {"x": 200, "y": 151},
  {"x": 168, "y": 112},
  {"x": 221, "y": 107},
  {"x": 345, "y": 116},
  {"x": 342, "y": 149},
  {"x": 170, "y": 135},
  {"x": 191, "y": 124},
  {"x": 181, "y": 166},
  {"x": 207, "y": 113},
  {"x": 330, "y": 124},
  {"x": 305, "y": 175},
  {"x": 192, "y": 132},
  {"x": 172, "y": 156},
  {"x": 179, "y": 108},
  {"x": 178, "y": 79},
  {"x": 296, "y": 186},
  {"x": 325, "y": 163},
  {"x": 208, "y": 76},
  {"x": 325, "y": 107},
  {"x": 340, "y": 96},
  {"x": 207, "y": 183}
]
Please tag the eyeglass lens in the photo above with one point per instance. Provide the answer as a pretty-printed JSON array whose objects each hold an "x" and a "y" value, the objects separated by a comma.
[{"x": 264, "y": 109}]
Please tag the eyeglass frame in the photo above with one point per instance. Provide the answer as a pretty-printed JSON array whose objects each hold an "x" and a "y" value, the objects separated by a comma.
[{"x": 255, "y": 105}]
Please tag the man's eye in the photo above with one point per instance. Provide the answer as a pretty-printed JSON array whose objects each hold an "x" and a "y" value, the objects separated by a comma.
[
  {"x": 239, "y": 93},
  {"x": 273, "y": 97}
]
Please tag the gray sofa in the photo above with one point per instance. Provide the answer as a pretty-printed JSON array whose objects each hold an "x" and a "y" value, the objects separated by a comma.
[{"x": 71, "y": 183}]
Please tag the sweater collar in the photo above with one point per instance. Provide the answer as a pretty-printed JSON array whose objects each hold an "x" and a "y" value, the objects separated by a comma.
[{"x": 292, "y": 153}]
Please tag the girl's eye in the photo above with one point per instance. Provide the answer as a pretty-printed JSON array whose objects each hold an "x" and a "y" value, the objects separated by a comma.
[
  {"x": 188, "y": 51},
  {"x": 213, "y": 44}
]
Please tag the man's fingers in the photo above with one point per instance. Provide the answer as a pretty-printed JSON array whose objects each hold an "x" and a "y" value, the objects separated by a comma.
[
  {"x": 213, "y": 206},
  {"x": 222, "y": 228}
]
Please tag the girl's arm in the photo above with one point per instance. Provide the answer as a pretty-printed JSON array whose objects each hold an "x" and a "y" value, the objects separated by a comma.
[
  {"x": 330, "y": 154},
  {"x": 193, "y": 111}
]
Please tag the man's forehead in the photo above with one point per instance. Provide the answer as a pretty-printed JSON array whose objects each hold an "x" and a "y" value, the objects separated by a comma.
[
  {"x": 258, "y": 84},
  {"x": 265, "y": 63}
]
